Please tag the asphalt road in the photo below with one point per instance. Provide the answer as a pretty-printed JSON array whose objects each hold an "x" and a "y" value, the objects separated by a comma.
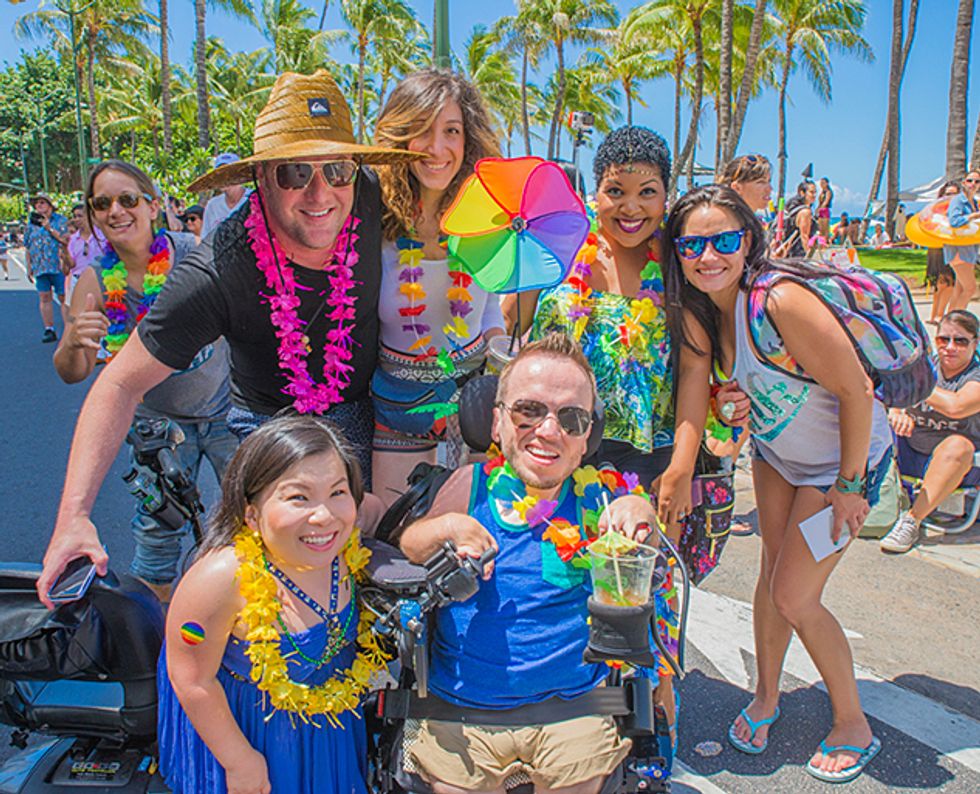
[{"x": 912, "y": 622}]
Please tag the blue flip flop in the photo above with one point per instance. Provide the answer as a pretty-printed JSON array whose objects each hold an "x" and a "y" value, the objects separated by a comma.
[
  {"x": 748, "y": 747},
  {"x": 865, "y": 754}
]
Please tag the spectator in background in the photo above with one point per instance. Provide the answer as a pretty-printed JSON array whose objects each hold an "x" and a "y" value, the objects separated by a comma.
[
  {"x": 963, "y": 210},
  {"x": 5, "y": 245},
  {"x": 838, "y": 235},
  {"x": 84, "y": 246},
  {"x": 824, "y": 203},
  {"x": 749, "y": 175},
  {"x": 940, "y": 276},
  {"x": 226, "y": 201},
  {"x": 880, "y": 238},
  {"x": 193, "y": 220},
  {"x": 900, "y": 219},
  {"x": 799, "y": 221},
  {"x": 854, "y": 234},
  {"x": 46, "y": 233},
  {"x": 938, "y": 438}
]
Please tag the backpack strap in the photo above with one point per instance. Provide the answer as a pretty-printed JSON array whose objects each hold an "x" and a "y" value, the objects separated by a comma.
[{"x": 764, "y": 338}]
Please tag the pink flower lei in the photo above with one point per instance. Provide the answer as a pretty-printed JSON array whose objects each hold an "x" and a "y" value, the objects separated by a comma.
[{"x": 294, "y": 346}]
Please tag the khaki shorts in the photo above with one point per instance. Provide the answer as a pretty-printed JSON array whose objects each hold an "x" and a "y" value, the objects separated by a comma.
[{"x": 553, "y": 756}]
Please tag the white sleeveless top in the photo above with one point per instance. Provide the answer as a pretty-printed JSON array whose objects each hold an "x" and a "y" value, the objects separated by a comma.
[{"x": 795, "y": 425}]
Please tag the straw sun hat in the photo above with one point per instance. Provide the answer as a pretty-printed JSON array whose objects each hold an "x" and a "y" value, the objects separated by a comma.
[{"x": 306, "y": 116}]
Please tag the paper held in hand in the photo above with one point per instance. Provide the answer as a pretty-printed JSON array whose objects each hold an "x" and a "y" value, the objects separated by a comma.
[{"x": 816, "y": 532}]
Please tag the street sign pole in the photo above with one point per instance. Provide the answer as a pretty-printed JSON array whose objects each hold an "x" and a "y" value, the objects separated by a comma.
[{"x": 440, "y": 36}]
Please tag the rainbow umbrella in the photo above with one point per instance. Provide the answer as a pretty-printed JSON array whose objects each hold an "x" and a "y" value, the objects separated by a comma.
[{"x": 516, "y": 224}]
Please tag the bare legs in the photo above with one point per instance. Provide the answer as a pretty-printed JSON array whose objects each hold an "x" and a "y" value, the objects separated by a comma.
[
  {"x": 966, "y": 284},
  {"x": 787, "y": 599},
  {"x": 46, "y": 306},
  {"x": 951, "y": 460},
  {"x": 390, "y": 470}
]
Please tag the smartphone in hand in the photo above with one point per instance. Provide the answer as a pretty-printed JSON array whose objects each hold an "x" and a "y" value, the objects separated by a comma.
[{"x": 74, "y": 582}]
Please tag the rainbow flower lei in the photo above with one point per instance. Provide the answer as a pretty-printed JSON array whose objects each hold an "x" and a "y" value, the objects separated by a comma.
[
  {"x": 633, "y": 331},
  {"x": 114, "y": 275},
  {"x": 294, "y": 346},
  {"x": 457, "y": 295},
  {"x": 270, "y": 673},
  {"x": 590, "y": 485}
]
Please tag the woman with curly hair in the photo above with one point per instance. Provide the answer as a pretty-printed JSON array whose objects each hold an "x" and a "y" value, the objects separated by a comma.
[{"x": 435, "y": 321}]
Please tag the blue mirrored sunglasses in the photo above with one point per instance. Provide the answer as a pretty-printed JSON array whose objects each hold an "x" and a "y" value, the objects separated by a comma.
[{"x": 724, "y": 243}]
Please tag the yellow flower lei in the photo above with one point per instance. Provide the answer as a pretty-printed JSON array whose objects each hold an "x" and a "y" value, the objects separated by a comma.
[{"x": 269, "y": 670}]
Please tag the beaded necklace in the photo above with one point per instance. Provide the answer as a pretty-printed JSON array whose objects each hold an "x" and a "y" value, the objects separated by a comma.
[
  {"x": 114, "y": 277},
  {"x": 458, "y": 296},
  {"x": 335, "y": 632}
]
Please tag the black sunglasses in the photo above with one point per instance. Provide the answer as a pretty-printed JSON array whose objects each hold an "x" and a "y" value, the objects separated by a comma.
[
  {"x": 958, "y": 341},
  {"x": 127, "y": 200},
  {"x": 296, "y": 176},
  {"x": 692, "y": 246},
  {"x": 527, "y": 414}
]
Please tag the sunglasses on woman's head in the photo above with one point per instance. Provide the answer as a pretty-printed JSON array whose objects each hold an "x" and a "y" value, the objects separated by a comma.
[
  {"x": 528, "y": 414},
  {"x": 692, "y": 246},
  {"x": 958, "y": 341},
  {"x": 296, "y": 176},
  {"x": 127, "y": 200}
]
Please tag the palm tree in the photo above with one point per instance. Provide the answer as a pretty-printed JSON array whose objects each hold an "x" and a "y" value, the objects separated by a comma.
[
  {"x": 523, "y": 31},
  {"x": 812, "y": 28},
  {"x": 396, "y": 55},
  {"x": 584, "y": 90},
  {"x": 626, "y": 57},
  {"x": 725, "y": 74},
  {"x": 564, "y": 22},
  {"x": 104, "y": 29},
  {"x": 959, "y": 79},
  {"x": 295, "y": 47},
  {"x": 240, "y": 84},
  {"x": 677, "y": 16},
  {"x": 371, "y": 21},
  {"x": 165, "y": 92},
  {"x": 884, "y": 150},
  {"x": 745, "y": 90},
  {"x": 240, "y": 8},
  {"x": 490, "y": 70}
]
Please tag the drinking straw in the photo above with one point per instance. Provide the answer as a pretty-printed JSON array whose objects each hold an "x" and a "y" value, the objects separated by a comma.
[{"x": 615, "y": 553}]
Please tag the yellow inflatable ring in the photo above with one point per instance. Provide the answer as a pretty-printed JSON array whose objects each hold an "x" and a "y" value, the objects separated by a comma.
[{"x": 930, "y": 228}]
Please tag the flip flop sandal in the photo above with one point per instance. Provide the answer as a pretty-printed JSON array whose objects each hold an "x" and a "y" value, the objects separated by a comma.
[
  {"x": 865, "y": 754},
  {"x": 747, "y": 746}
]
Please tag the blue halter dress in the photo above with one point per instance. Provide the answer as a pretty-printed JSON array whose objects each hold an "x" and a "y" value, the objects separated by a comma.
[{"x": 301, "y": 757}]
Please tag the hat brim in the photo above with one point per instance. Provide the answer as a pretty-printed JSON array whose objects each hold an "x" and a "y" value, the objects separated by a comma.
[{"x": 240, "y": 172}]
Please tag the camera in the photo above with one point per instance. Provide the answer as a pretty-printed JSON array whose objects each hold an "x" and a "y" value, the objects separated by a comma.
[
  {"x": 36, "y": 219},
  {"x": 581, "y": 121}
]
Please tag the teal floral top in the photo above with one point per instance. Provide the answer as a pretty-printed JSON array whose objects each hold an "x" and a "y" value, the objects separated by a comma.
[{"x": 627, "y": 343}]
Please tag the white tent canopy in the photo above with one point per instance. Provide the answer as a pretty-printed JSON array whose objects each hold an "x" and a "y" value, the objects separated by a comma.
[{"x": 921, "y": 193}]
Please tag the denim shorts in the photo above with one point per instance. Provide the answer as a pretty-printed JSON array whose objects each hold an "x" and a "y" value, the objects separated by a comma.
[
  {"x": 912, "y": 463},
  {"x": 45, "y": 282}
]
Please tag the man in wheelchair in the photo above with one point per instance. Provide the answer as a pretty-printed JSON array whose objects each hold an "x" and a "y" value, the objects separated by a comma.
[
  {"x": 937, "y": 439},
  {"x": 509, "y": 691}
]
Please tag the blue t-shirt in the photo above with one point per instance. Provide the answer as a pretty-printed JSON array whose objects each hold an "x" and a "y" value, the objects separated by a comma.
[
  {"x": 42, "y": 246},
  {"x": 520, "y": 639}
]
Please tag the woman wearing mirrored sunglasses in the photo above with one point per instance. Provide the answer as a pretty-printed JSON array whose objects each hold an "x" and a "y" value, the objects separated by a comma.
[
  {"x": 107, "y": 303},
  {"x": 814, "y": 443},
  {"x": 938, "y": 438},
  {"x": 435, "y": 322},
  {"x": 963, "y": 210}
]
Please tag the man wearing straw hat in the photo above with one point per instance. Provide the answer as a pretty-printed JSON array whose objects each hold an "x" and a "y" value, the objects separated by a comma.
[{"x": 290, "y": 279}]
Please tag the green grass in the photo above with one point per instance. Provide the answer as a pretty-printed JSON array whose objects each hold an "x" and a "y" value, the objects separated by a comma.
[{"x": 908, "y": 263}]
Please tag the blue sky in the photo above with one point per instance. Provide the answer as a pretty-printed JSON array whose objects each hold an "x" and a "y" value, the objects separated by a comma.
[{"x": 841, "y": 138}]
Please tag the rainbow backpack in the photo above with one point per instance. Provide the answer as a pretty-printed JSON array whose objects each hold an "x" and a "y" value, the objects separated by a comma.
[{"x": 876, "y": 311}]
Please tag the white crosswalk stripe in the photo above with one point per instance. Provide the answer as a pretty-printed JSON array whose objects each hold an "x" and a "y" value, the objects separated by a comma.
[{"x": 721, "y": 629}]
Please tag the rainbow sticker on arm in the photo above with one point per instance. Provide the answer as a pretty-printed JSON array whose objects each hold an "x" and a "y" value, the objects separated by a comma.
[{"x": 192, "y": 633}]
